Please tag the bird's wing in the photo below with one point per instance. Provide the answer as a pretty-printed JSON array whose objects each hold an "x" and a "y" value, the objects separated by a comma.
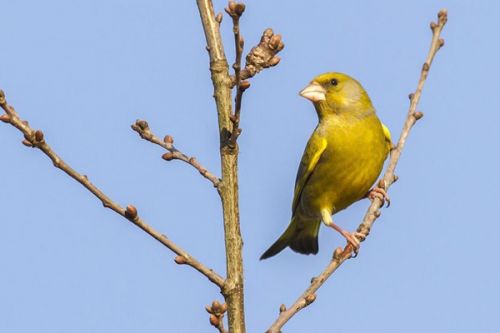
[
  {"x": 315, "y": 147},
  {"x": 387, "y": 135}
]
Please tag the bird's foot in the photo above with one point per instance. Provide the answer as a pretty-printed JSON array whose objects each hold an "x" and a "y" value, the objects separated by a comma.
[
  {"x": 380, "y": 193},
  {"x": 354, "y": 239}
]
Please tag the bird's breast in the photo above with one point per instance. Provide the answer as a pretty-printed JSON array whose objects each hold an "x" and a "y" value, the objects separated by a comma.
[{"x": 351, "y": 163}]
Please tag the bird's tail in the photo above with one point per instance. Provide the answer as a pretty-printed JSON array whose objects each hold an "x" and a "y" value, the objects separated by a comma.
[{"x": 300, "y": 236}]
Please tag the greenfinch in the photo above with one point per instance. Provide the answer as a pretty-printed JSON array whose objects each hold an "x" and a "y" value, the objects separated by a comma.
[{"x": 342, "y": 160}]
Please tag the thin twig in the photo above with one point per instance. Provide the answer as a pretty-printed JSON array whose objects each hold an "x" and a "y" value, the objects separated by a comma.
[
  {"x": 235, "y": 10},
  {"x": 235, "y": 118},
  {"x": 35, "y": 139},
  {"x": 142, "y": 127},
  {"x": 340, "y": 256}
]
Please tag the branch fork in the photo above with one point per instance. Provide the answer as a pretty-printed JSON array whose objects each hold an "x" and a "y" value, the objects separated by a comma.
[
  {"x": 36, "y": 139},
  {"x": 261, "y": 56},
  {"x": 142, "y": 128}
]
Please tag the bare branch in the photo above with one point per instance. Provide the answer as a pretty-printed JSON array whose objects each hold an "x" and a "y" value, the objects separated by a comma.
[
  {"x": 235, "y": 118},
  {"x": 340, "y": 256},
  {"x": 35, "y": 138},
  {"x": 228, "y": 189},
  {"x": 235, "y": 10},
  {"x": 261, "y": 56},
  {"x": 142, "y": 127}
]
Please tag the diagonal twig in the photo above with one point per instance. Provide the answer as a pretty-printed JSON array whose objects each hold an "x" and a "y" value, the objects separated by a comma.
[
  {"x": 142, "y": 127},
  {"x": 340, "y": 256},
  {"x": 35, "y": 138}
]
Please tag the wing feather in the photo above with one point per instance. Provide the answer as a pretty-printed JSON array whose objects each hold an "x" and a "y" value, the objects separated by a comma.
[{"x": 314, "y": 149}]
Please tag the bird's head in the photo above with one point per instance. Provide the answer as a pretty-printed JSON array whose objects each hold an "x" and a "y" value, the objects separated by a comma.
[{"x": 335, "y": 93}]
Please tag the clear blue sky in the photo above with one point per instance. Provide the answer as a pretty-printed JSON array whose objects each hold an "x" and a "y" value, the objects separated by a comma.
[{"x": 83, "y": 71}]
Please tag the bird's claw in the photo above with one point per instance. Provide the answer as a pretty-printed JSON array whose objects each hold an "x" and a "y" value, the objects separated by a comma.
[
  {"x": 354, "y": 239},
  {"x": 381, "y": 194}
]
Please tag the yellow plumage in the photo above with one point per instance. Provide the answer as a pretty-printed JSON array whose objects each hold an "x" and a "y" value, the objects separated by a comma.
[{"x": 341, "y": 161}]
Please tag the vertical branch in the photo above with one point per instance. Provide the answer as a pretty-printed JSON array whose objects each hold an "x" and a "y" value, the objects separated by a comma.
[
  {"x": 228, "y": 188},
  {"x": 235, "y": 10}
]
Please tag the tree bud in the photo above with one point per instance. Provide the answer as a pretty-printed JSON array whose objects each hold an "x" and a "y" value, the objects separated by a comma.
[{"x": 131, "y": 212}]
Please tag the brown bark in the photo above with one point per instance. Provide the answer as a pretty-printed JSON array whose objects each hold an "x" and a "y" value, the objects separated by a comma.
[{"x": 228, "y": 187}]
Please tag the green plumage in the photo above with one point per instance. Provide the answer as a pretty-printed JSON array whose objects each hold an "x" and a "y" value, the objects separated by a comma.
[{"x": 341, "y": 161}]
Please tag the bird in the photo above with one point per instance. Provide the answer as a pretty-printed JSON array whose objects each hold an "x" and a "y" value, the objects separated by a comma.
[{"x": 342, "y": 160}]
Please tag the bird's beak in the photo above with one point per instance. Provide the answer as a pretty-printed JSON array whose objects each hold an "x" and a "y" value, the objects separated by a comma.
[{"x": 314, "y": 92}]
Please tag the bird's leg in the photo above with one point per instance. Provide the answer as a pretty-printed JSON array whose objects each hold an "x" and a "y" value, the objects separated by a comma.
[
  {"x": 351, "y": 237},
  {"x": 380, "y": 193}
]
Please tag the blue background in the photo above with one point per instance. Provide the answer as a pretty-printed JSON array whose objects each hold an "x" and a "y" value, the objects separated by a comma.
[{"x": 83, "y": 71}]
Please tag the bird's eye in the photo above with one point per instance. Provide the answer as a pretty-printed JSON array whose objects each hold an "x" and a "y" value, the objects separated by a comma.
[{"x": 334, "y": 82}]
